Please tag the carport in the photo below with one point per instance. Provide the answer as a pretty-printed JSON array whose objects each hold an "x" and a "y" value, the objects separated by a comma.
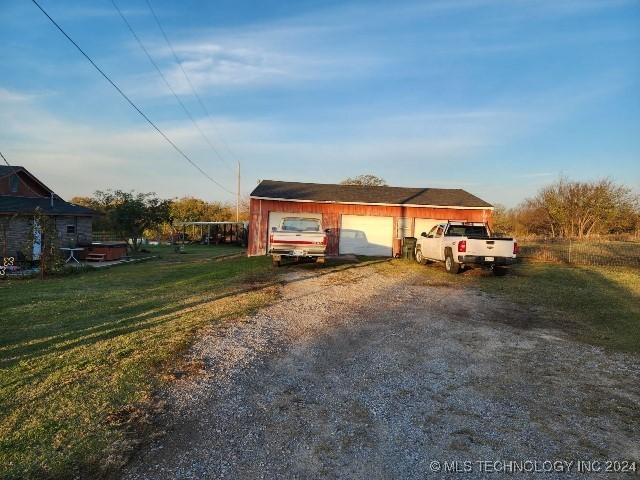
[{"x": 214, "y": 233}]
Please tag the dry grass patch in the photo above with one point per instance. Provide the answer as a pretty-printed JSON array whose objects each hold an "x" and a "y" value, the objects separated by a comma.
[{"x": 598, "y": 305}]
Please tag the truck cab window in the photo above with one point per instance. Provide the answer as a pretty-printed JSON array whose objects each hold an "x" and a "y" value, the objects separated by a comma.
[
  {"x": 467, "y": 231},
  {"x": 295, "y": 224}
]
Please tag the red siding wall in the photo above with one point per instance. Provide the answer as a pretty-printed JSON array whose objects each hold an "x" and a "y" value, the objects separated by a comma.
[{"x": 331, "y": 212}]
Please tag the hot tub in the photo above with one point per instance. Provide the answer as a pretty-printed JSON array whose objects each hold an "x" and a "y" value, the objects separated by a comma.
[{"x": 110, "y": 250}]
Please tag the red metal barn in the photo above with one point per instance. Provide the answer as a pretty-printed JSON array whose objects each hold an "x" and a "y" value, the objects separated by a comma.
[{"x": 361, "y": 220}]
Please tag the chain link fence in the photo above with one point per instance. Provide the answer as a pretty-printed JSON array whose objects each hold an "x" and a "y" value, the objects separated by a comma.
[{"x": 582, "y": 251}]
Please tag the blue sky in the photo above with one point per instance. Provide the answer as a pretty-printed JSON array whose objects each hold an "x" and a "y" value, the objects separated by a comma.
[{"x": 496, "y": 97}]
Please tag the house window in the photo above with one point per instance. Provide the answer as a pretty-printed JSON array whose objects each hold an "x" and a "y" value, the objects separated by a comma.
[
  {"x": 71, "y": 229},
  {"x": 404, "y": 227},
  {"x": 13, "y": 183}
]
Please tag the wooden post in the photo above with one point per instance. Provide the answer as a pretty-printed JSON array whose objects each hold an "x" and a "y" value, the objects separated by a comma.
[{"x": 238, "y": 196}]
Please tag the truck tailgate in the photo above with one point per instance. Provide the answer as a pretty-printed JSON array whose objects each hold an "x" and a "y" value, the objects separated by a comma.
[
  {"x": 493, "y": 247},
  {"x": 298, "y": 243},
  {"x": 299, "y": 239}
]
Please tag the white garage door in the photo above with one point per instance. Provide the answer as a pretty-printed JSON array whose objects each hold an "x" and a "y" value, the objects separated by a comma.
[
  {"x": 424, "y": 225},
  {"x": 365, "y": 235}
]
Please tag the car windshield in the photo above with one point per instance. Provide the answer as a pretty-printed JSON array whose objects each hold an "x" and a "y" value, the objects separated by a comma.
[
  {"x": 466, "y": 231},
  {"x": 301, "y": 224}
]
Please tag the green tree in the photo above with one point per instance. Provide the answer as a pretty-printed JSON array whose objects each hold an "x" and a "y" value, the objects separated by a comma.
[
  {"x": 131, "y": 213},
  {"x": 190, "y": 209},
  {"x": 88, "y": 202}
]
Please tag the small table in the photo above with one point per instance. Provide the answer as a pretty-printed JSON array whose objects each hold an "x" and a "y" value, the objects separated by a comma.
[{"x": 71, "y": 254}]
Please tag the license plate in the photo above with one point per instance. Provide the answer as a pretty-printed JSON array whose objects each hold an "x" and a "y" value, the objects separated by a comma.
[
  {"x": 489, "y": 259},
  {"x": 298, "y": 253}
]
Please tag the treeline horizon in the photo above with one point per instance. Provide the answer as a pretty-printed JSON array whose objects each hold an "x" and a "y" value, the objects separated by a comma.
[
  {"x": 563, "y": 209},
  {"x": 180, "y": 209},
  {"x": 573, "y": 209},
  {"x": 138, "y": 215}
]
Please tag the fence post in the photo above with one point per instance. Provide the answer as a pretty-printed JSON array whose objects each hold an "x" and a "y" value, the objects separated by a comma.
[{"x": 569, "y": 250}]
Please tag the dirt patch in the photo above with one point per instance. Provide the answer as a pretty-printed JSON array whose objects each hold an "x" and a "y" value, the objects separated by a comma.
[{"x": 359, "y": 373}]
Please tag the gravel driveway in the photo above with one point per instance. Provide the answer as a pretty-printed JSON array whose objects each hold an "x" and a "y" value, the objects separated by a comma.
[{"x": 360, "y": 374}]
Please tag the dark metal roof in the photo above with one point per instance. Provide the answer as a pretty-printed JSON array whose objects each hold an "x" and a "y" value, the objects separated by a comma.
[
  {"x": 320, "y": 192},
  {"x": 24, "y": 205}
]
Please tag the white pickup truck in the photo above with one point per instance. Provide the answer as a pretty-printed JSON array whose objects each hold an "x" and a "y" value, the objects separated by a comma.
[
  {"x": 460, "y": 244},
  {"x": 298, "y": 237}
]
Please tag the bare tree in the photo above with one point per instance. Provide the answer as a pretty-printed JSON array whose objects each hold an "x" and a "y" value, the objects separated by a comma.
[
  {"x": 502, "y": 219},
  {"x": 569, "y": 208},
  {"x": 366, "y": 180}
]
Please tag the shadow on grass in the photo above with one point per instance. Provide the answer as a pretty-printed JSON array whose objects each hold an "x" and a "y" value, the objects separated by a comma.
[
  {"x": 150, "y": 317},
  {"x": 595, "y": 304},
  {"x": 599, "y": 305},
  {"x": 38, "y": 315},
  {"x": 117, "y": 319}
]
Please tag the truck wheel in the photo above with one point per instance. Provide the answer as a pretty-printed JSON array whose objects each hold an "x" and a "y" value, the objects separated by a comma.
[
  {"x": 451, "y": 266},
  {"x": 419, "y": 257}
]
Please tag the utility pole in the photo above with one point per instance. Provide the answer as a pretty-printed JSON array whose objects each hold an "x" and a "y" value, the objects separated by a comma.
[{"x": 238, "y": 196}]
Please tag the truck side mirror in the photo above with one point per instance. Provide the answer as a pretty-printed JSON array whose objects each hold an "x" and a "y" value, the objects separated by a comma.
[
  {"x": 423, "y": 234},
  {"x": 274, "y": 229},
  {"x": 327, "y": 230}
]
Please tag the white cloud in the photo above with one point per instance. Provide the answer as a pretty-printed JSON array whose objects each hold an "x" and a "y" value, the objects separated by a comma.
[
  {"x": 213, "y": 62},
  {"x": 327, "y": 43},
  {"x": 229, "y": 67},
  {"x": 13, "y": 96},
  {"x": 286, "y": 51},
  {"x": 77, "y": 158}
]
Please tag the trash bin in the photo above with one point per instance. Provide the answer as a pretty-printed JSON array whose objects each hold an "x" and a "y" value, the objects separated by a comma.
[{"x": 408, "y": 247}]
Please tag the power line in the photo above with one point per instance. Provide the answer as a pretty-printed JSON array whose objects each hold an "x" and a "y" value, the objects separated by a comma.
[
  {"x": 166, "y": 82},
  {"x": 195, "y": 93},
  {"x": 142, "y": 114},
  {"x": 5, "y": 161},
  {"x": 186, "y": 76}
]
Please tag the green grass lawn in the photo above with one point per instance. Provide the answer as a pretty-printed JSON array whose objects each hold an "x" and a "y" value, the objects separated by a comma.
[
  {"x": 167, "y": 252},
  {"x": 79, "y": 353},
  {"x": 598, "y": 305}
]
